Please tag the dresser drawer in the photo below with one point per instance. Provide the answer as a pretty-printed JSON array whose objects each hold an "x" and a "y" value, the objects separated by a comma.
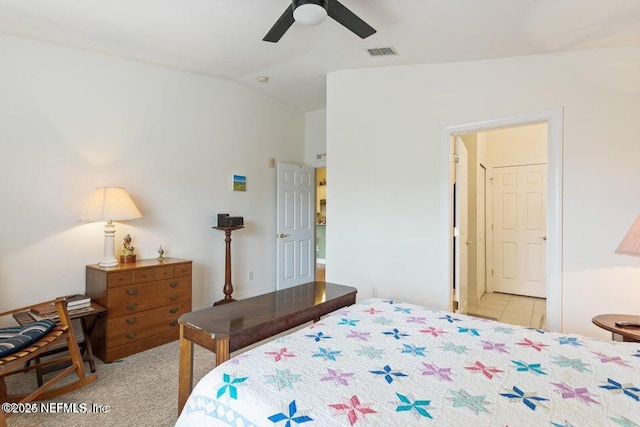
[
  {"x": 134, "y": 293},
  {"x": 127, "y": 329},
  {"x": 120, "y": 278},
  {"x": 137, "y": 304},
  {"x": 182, "y": 270},
  {"x": 160, "y": 273},
  {"x": 143, "y": 275}
]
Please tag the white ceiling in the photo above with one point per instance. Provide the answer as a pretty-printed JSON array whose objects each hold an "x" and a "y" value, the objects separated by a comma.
[{"x": 223, "y": 38}]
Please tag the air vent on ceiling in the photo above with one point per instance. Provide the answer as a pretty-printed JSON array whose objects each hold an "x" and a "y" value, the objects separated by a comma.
[{"x": 382, "y": 51}]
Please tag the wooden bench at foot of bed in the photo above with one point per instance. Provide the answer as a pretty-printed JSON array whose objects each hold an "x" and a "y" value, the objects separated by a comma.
[{"x": 230, "y": 327}]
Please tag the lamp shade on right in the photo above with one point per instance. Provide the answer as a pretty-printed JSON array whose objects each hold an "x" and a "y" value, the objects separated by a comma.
[{"x": 630, "y": 244}]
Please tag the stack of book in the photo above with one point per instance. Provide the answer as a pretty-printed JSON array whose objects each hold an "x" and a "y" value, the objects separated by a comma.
[{"x": 75, "y": 303}]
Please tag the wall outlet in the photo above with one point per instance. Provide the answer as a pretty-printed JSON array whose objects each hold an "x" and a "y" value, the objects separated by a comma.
[
  {"x": 250, "y": 275},
  {"x": 272, "y": 162},
  {"x": 374, "y": 292}
]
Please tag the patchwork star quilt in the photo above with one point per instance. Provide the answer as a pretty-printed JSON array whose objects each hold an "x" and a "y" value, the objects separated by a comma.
[{"x": 388, "y": 363}]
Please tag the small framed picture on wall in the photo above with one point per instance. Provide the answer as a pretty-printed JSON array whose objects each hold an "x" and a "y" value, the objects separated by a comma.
[{"x": 239, "y": 183}]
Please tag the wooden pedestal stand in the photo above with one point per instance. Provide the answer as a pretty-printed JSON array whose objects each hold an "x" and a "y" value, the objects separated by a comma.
[{"x": 228, "y": 287}]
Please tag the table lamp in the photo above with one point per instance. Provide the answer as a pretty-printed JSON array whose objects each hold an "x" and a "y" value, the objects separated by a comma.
[
  {"x": 630, "y": 245},
  {"x": 109, "y": 204}
]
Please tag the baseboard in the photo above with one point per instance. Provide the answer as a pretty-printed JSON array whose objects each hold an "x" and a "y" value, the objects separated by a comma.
[{"x": 321, "y": 261}]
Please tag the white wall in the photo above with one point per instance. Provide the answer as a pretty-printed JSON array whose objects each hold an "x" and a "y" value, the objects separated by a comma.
[
  {"x": 392, "y": 119},
  {"x": 315, "y": 137},
  {"x": 72, "y": 120},
  {"x": 522, "y": 145}
]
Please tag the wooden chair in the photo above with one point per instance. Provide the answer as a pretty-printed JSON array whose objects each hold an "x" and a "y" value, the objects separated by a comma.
[{"x": 20, "y": 361}]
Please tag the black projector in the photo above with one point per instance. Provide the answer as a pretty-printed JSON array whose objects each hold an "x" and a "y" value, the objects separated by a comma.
[{"x": 224, "y": 220}]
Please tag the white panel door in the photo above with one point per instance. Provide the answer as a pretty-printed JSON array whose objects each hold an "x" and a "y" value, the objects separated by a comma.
[
  {"x": 481, "y": 286},
  {"x": 296, "y": 222},
  {"x": 461, "y": 212},
  {"x": 520, "y": 230}
]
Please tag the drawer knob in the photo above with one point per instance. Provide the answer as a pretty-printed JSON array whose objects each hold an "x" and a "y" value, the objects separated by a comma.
[
  {"x": 132, "y": 320},
  {"x": 174, "y": 284},
  {"x": 132, "y": 306},
  {"x": 174, "y": 297},
  {"x": 131, "y": 335},
  {"x": 173, "y": 323},
  {"x": 132, "y": 291},
  {"x": 174, "y": 310}
]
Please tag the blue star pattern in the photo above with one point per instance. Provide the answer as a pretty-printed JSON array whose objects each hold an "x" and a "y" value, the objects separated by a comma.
[
  {"x": 617, "y": 387},
  {"x": 412, "y": 349},
  {"x": 449, "y": 318},
  {"x": 417, "y": 406},
  {"x": 570, "y": 341},
  {"x": 327, "y": 354},
  {"x": 230, "y": 386},
  {"x": 388, "y": 374},
  {"x": 534, "y": 368},
  {"x": 319, "y": 336},
  {"x": 349, "y": 322},
  {"x": 470, "y": 331},
  {"x": 291, "y": 417},
  {"x": 396, "y": 333},
  {"x": 528, "y": 398}
]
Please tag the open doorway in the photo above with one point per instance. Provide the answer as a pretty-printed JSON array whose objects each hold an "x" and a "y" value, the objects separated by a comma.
[
  {"x": 321, "y": 223},
  {"x": 504, "y": 244},
  {"x": 551, "y": 259}
]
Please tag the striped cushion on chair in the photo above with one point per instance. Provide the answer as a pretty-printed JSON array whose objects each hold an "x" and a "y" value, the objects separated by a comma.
[{"x": 18, "y": 337}]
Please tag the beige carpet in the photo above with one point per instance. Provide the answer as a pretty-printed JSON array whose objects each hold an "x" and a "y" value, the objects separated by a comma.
[{"x": 141, "y": 390}]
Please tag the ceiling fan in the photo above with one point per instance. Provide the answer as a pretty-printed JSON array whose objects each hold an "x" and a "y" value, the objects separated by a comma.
[{"x": 312, "y": 12}]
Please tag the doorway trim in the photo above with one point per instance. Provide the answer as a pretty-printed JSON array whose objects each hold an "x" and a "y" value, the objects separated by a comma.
[{"x": 553, "y": 119}]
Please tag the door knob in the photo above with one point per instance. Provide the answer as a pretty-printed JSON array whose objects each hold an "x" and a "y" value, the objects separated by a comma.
[
  {"x": 542, "y": 237},
  {"x": 283, "y": 235}
]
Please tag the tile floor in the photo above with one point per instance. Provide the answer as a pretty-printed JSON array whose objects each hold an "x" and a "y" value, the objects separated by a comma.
[{"x": 513, "y": 309}]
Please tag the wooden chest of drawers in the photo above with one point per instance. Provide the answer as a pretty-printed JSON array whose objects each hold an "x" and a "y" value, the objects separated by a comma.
[{"x": 143, "y": 300}]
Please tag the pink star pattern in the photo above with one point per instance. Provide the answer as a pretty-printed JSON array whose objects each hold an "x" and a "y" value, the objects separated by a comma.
[
  {"x": 414, "y": 319},
  {"x": 279, "y": 355},
  {"x": 433, "y": 331},
  {"x": 352, "y": 408},
  {"x": 487, "y": 371},
  {"x": 608, "y": 359},
  {"x": 372, "y": 311},
  {"x": 535, "y": 345}
]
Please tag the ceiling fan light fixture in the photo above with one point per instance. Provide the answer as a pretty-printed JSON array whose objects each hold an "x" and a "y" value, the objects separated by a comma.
[{"x": 309, "y": 12}]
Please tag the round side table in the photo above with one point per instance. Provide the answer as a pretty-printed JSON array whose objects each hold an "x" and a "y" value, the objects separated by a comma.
[{"x": 608, "y": 322}]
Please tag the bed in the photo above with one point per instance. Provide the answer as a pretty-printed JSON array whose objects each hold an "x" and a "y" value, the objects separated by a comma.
[{"x": 388, "y": 363}]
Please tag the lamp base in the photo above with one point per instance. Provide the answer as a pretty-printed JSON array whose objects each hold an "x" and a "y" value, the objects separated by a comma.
[
  {"x": 108, "y": 264},
  {"x": 125, "y": 259}
]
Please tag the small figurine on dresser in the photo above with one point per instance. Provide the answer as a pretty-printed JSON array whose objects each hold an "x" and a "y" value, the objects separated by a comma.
[
  {"x": 160, "y": 253},
  {"x": 127, "y": 251}
]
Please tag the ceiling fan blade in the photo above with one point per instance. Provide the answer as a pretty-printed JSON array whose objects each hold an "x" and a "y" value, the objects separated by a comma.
[
  {"x": 281, "y": 26},
  {"x": 349, "y": 20}
]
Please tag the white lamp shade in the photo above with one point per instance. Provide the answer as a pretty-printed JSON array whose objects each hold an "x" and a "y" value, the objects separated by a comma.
[
  {"x": 630, "y": 244},
  {"x": 310, "y": 14},
  {"x": 110, "y": 204}
]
